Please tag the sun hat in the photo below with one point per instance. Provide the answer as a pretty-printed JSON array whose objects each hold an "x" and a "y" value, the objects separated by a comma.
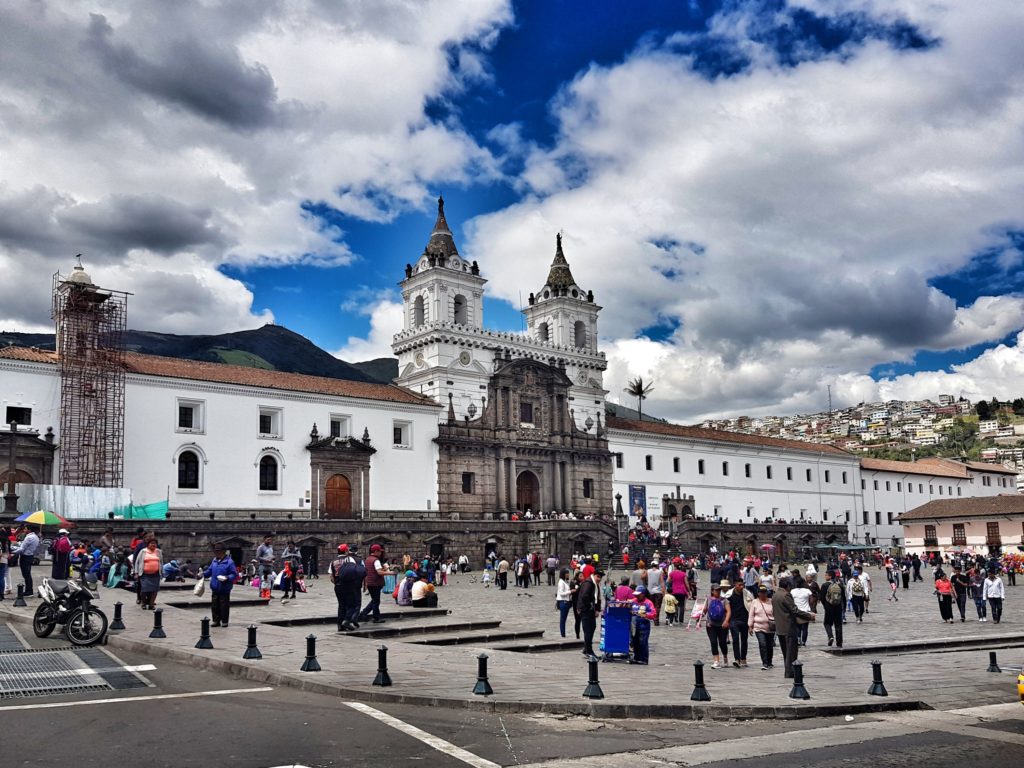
[{"x": 725, "y": 583}]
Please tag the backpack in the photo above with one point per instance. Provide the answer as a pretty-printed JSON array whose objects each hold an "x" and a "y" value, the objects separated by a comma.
[
  {"x": 716, "y": 611},
  {"x": 348, "y": 570},
  {"x": 834, "y": 594},
  {"x": 857, "y": 588}
]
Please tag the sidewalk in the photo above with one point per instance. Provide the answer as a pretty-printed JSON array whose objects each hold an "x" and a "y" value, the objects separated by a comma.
[{"x": 444, "y": 675}]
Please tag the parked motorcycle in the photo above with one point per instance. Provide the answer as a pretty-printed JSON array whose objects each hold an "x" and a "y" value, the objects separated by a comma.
[{"x": 69, "y": 603}]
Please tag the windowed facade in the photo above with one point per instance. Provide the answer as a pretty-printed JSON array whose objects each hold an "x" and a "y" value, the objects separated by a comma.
[
  {"x": 19, "y": 415},
  {"x": 768, "y": 471},
  {"x": 579, "y": 334},
  {"x": 648, "y": 462},
  {"x": 269, "y": 474},
  {"x": 931, "y": 538},
  {"x": 418, "y": 311},
  {"x": 270, "y": 422},
  {"x": 526, "y": 413},
  {"x": 700, "y": 466},
  {"x": 188, "y": 471},
  {"x": 401, "y": 434},
  {"x": 789, "y": 473},
  {"x": 468, "y": 481},
  {"x": 190, "y": 416},
  {"x": 809, "y": 475},
  {"x": 828, "y": 476},
  {"x": 725, "y": 469},
  {"x": 618, "y": 461},
  {"x": 675, "y": 464},
  {"x": 588, "y": 488},
  {"x": 959, "y": 535},
  {"x": 844, "y": 478},
  {"x": 746, "y": 470},
  {"x": 340, "y": 425},
  {"x": 460, "y": 311},
  {"x": 888, "y": 485}
]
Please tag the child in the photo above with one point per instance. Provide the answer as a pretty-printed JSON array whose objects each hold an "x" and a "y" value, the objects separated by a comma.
[
  {"x": 488, "y": 576},
  {"x": 671, "y": 608}
]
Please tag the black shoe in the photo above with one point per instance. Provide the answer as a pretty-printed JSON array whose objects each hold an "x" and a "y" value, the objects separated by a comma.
[
  {"x": 355, "y": 624},
  {"x": 225, "y": 625},
  {"x": 830, "y": 641},
  {"x": 378, "y": 621},
  {"x": 215, "y": 625}
]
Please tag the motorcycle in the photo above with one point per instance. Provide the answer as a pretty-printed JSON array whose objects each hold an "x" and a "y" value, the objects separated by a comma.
[{"x": 69, "y": 603}]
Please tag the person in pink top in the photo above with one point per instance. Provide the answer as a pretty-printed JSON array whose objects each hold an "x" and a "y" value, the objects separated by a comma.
[
  {"x": 676, "y": 583},
  {"x": 623, "y": 591}
]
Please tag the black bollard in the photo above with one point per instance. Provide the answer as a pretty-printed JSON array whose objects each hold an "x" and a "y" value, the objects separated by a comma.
[
  {"x": 593, "y": 689},
  {"x": 877, "y": 686},
  {"x": 382, "y": 678},
  {"x": 158, "y": 624},
  {"x": 700, "y": 691},
  {"x": 993, "y": 665},
  {"x": 798, "y": 691},
  {"x": 19, "y": 601},
  {"x": 310, "y": 664},
  {"x": 118, "y": 622},
  {"x": 204, "y": 634},
  {"x": 251, "y": 651},
  {"x": 482, "y": 687}
]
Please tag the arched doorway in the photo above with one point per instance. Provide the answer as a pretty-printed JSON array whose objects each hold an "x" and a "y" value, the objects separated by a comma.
[
  {"x": 338, "y": 498},
  {"x": 527, "y": 491},
  {"x": 20, "y": 478}
]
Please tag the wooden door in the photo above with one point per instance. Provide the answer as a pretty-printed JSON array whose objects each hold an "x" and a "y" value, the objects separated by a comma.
[
  {"x": 338, "y": 498},
  {"x": 528, "y": 492}
]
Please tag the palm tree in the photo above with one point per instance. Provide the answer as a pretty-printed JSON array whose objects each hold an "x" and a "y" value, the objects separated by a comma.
[{"x": 640, "y": 391}]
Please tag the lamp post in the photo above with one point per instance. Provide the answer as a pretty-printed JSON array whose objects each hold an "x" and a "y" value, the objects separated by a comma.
[{"x": 11, "y": 498}]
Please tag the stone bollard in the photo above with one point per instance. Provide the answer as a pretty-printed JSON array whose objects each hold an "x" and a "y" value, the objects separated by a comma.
[
  {"x": 700, "y": 691},
  {"x": 19, "y": 601},
  {"x": 482, "y": 687},
  {"x": 877, "y": 686},
  {"x": 310, "y": 664},
  {"x": 993, "y": 665},
  {"x": 593, "y": 689},
  {"x": 118, "y": 622},
  {"x": 251, "y": 651},
  {"x": 798, "y": 691},
  {"x": 204, "y": 634},
  {"x": 383, "y": 678},
  {"x": 158, "y": 624}
]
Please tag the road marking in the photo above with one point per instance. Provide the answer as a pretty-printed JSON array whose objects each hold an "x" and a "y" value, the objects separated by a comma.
[
  {"x": 411, "y": 730},
  {"x": 124, "y": 699},
  {"x": 83, "y": 672}
]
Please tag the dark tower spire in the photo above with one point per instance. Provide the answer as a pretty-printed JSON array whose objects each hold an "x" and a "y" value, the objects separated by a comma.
[
  {"x": 441, "y": 244},
  {"x": 560, "y": 275}
]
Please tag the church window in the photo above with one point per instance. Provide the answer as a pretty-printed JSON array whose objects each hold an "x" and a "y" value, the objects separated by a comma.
[
  {"x": 339, "y": 426},
  {"x": 268, "y": 474},
  {"x": 768, "y": 472},
  {"x": 810, "y": 476},
  {"x": 828, "y": 476},
  {"x": 618, "y": 461},
  {"x": 649, "y": 462},
  {"x": 190, "y": 416},
  {"x": 580, "y": 334},
  {"x": 20, "y": 416},
  {"x": 746, "y": 470},
  {"x": 467, "y": 482},
  {"x": 700, "y": 466},
  {"x": 270, "y": 422},
  {"x": 675, "y": 464},
  {"x": 418, "y": 312},
  {"x": 588, "y": 488},
  {"x": 188, "y": 471},
  {"x": 543, "y": 333},
  {"x": 402, "y": 434},
  {"x": 789, "y": 473},
  {"x": 725, "y": 469},
  {"x": 461, "y": 310},
  {"x": 526, "y": 413}
]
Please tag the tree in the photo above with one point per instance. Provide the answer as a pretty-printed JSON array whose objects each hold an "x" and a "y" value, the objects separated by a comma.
[
  {"x": 983, "y": 409},
  {"x": 640, "y": 391}
]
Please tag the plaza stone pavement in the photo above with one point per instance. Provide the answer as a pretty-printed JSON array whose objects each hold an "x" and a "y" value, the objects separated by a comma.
[{"x": 553, "y": 681}]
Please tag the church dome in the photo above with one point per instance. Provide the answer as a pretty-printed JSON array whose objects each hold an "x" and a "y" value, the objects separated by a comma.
[{"x": 78, "y": 275}]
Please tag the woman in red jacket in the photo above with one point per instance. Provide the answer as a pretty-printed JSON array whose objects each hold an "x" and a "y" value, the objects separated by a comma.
[{"x": 944, "y": 590}]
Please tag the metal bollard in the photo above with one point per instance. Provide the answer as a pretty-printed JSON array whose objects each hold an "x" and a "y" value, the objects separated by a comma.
[
  {"x": 482, "y": 687},
  {"x": 204, "y": 634},
  {"x": 700, "y": 691},
  {"x": 251, "y": 651},
  {"x": 593, "y": 689},
  {"x": 993, "y": 665},
  {"x": 158, "y": 624},
  {"x": 19, "y": 601},
  {"x": 798, "y": 691},
  {"x": 118, "y": 622},
  {"x": 310, "y": 664},
  {"x": 382, "y": 678},
  {"x": 877, "y": 686}
]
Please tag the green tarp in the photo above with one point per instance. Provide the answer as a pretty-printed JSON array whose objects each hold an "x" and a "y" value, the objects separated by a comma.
[{"x": 155, "y": 511}]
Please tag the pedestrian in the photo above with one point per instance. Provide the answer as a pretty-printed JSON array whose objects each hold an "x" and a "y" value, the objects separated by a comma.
[
  {"x": 787, "y": 620},
  {"x": 5, "y": 557},
  {"x": 892, "y": 576},
  {"x": 671, "y": 606},
  {"x": 222, "y": 574},
  {"x": 833, "y": 600},
  {"x": 856, "y": 592},
  {"x": 551, "y": 566},
  {"x": 642, "y": 609},
  {"x": 655, "y": 590},
  {"x": 589, "y": 606},
  {"x": 865, "y": 578},
  {"x": 563, "y": 599},
  {"x": 536, "y": 566},
  {"x": 961, "y": 585},
  {"x": 148, "y": 565},
  {"x": 944, "y": 591},
  {"x": 803, "y": 597},
  {"x": 677, "y": 585},
  {"x": 290, "y": 560},
  {"x": 716, "y": 615},
  {"x": 994, "y": 593},
  {"x": 265, "y": 559},
  {"x": 767, "y": 580},
  {"x": 347, "y": 574},
  {"x": 740, "y": 601},
  {"x": 403, "y": 592},
  {"x": 761, "y": 619},
  {"x": 978, "y": 593},
  {"x": 905, "y": 571},
  {"x": 376, "y": 570},
  {"x": 503, "y": 574},
  {"x": 61, "y": 549}
]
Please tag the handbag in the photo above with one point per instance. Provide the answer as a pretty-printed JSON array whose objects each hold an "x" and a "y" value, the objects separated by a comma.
[{"x": 200, "y": 588}]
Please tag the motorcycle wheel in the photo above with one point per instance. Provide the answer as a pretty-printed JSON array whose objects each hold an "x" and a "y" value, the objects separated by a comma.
[
  {"x": 86, "y": 626},
  {"x": 45, "y": 620}
]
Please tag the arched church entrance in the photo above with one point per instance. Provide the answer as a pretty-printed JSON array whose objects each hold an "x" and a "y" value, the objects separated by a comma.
[
  {"x": 338, "y": 498},
  {"x": 527, "y": 491}
]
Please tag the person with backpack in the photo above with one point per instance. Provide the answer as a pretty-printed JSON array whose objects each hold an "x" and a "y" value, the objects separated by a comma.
[
  {"x": 833, "y": 600},
  {"x": 716, "y": 615},
  {"x": 855, "y": 593},
  {"x": 788, "y": 619},
  {"x": 347, "y": 574}
]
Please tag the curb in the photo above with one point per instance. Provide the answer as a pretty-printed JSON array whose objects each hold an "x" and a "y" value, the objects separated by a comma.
[{"x": 604, "y": 710}]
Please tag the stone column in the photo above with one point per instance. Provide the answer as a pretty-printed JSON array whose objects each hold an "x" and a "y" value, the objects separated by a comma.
[
  {"x": 513, "y": 476},
  {"x": 499, "y": 484}
]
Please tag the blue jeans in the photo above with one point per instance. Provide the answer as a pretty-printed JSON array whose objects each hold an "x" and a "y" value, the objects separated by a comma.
[
  {"x": 3, "y": 579},
  {"x": 563, "y": 614},
  {"x": 641, "y": 637}
]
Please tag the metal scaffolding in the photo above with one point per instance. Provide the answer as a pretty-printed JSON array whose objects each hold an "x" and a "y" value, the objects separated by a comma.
[{"x": 90, "y": 345}]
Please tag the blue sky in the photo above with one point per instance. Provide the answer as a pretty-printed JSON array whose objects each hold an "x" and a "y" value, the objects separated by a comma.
[{"x": 768, "y": 197}]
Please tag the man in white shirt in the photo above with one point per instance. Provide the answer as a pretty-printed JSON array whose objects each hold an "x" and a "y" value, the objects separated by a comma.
[
  {"x": 994, "y": 591},
  {"x": 865, "y": 578},
  {"x": 26, "y": 552}
]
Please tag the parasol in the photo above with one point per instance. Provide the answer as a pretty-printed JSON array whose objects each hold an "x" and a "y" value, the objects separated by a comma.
[
  {"x": 42, "y": 517},
  {"x": 767, "y": 547}
]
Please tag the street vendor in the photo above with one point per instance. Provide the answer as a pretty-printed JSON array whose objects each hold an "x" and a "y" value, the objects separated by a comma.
[{"x": 643, "y": 611}]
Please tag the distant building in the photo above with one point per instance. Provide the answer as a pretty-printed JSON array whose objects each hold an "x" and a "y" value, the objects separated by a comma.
[{"x": 982, "y": 525}]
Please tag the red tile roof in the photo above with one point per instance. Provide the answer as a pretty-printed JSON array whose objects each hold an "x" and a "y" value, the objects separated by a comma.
[
  {"x": 958, "y": 470},
  {"x": 197, "y": 370},
  {"x": 720, "y": 436},
  {"x": 979, "y": 506},
  {"x": 977, "y": 466}
]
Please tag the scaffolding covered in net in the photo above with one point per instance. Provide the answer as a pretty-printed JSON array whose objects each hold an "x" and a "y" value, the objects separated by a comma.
[{"x": 90, "y": 324}]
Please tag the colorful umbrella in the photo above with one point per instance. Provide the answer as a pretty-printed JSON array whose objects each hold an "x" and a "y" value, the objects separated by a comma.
[
  {"x": 767, "y": 546},
  {"x": 42, "y": 517}
]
